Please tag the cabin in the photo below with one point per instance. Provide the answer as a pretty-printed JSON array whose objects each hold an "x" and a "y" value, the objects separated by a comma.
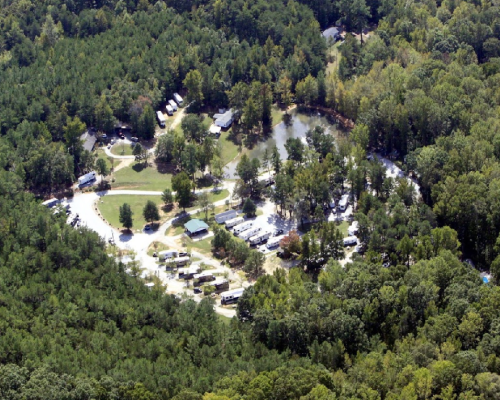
[
  {"x": 225, "y": 216},
  {"x": 224, "y": 120},
  {"x": 88, "y": 138}
]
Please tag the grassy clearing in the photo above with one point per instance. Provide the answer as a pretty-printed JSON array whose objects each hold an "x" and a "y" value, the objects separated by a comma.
[
  {"x": 109, "y": 207},
  {"x": 156, "y": 246},
  {"x": 225, "y": 320},
  {"x": 101, "y": 154},
  {"x": 139, "y": 177},
  {"x": 122, "y": 149},
  {"x": 203, "y": 246},
  {"x": 343, "y": 227},
  {"x": 334, "y": 57},
  {"x": 229, "y": 149},
  {"x": 276, "y": 115}
]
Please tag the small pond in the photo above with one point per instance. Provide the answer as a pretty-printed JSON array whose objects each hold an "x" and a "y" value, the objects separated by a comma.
[{"x": 300, "y": 123}]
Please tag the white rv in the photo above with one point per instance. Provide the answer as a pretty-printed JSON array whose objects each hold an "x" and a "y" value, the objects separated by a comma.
[
  {"x": 353, "y": 229},
  {"x": 170, "y": 110},
  {"x": 231, "y": 296},
  {"x": 344, "y": 201},
  {"x": 245, "y": 235},
  {"x": 350, "y": 241},
  {"x": 242, "y": 227},
  {"x": 161, "y": 119},
  {"x": 204, "y": 276},
  {"x": 181, "y": 260},
  {"x": 84, "y": 179},
  {"x": 178, "y": 99},
  {"x": 166, "y": 254},
  {"x": 260, "y": 237},
  {"x": 173, "y": 104},
  {"x": 235, "y": 221},
  {"x": 274, "y": 242}
]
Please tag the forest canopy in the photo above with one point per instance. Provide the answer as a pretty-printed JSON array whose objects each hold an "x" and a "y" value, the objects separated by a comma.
[{"x": 420, "y": 81}]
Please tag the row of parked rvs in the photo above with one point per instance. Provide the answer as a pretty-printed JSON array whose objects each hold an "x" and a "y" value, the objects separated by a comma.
[{"x": 171, "y": 107}]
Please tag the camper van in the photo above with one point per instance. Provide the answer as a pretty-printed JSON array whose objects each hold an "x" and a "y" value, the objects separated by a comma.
[
  {"x": 231, "y": 296},
  {"x": 350, "y": 241},
  {"x": 235, "y": 221},
  {"x": 353, "y": 229},
  {"x": 84, "y": 179},
  {"x": 220, "y": 285},
  {"x": 204, "y": 276},
  {"x": 178, "y": 99},
  {"x": 167, "y": 254},
  {"x": 259, "y": 238},
  {"x": 274, "y": 242},
  {"x": 51, "y": 202},
  {"x": 173, "y": 104},
  {"x": 180, "y": 261},
  {"x": 161, "y": 119},
  {"x": 242, "y": 227},
  {"x": 344, "y": 201},
  {"x": 188, "y": 273},
  {"x": 245, "y": 235}
]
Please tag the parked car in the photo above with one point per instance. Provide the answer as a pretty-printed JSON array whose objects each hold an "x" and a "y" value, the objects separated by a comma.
[
  {"x": 278, "y": 232},
  {"x": 147, "y": 228},
  {"x": 197, "y": 290},
  {"x": 134, "y": 139}
]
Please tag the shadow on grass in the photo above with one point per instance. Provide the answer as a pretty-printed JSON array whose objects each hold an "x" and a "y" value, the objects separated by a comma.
[{"x": 139, "y": 166}]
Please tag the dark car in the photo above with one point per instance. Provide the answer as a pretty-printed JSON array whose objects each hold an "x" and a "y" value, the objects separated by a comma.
[
  {"x": 278, "y": 232},
  {"x": 134, "y": 139},
  {"x": 147, "y": 228},
  {"x": 197, "y": 290}
]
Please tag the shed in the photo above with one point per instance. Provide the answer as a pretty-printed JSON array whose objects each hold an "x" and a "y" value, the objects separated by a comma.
[
  {"x": 88, "y": 138},
  {"x": 195, "y": 226},
  {"x": 225, "y": 216}
]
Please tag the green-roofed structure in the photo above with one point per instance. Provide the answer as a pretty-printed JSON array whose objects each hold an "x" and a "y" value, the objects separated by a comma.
[{"x": 195, "y": 226}]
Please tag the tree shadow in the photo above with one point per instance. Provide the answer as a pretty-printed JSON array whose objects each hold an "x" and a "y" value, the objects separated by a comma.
[
  {"x": 166, "y": 208},
  {"x": 139, "y": 167}
]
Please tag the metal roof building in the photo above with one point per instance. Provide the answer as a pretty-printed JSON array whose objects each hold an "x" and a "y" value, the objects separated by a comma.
[{"x": 195, "y": 225}]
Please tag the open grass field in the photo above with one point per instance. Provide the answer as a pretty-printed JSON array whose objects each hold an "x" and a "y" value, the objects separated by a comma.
[
  {"x": 333, "y": 55},
  {"x": 109, "y": 207},
  {"x": 101, "y": 154},
  {"x": 343, "y": 227},
  {"x": 203, "y": 246},
  {"x": 156, "y": 246},
  {"x": 276, "y": 115},
  {"x": 229, "y": 149},
  {"x": 121, "y": 149},
  {"x": 139, "y": 177}
]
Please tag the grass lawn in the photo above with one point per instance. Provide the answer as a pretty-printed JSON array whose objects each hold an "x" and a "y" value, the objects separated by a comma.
[
  {"x": 110, "y": 209},
  {"x": 229, "y": 149},
  {"x": 102, "y": 154},
  {"x": 159, "y": 247},
  {"x": 138, "y": 177},
  {"x": 276, "y": 115},
  {"x": 203, "y": 246},
  {"x": 343, "y": 227},
  {"x": 225, "y": 320},
  {"x": 121, "y": 149},
  {"x": 334, "y": 54}
]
